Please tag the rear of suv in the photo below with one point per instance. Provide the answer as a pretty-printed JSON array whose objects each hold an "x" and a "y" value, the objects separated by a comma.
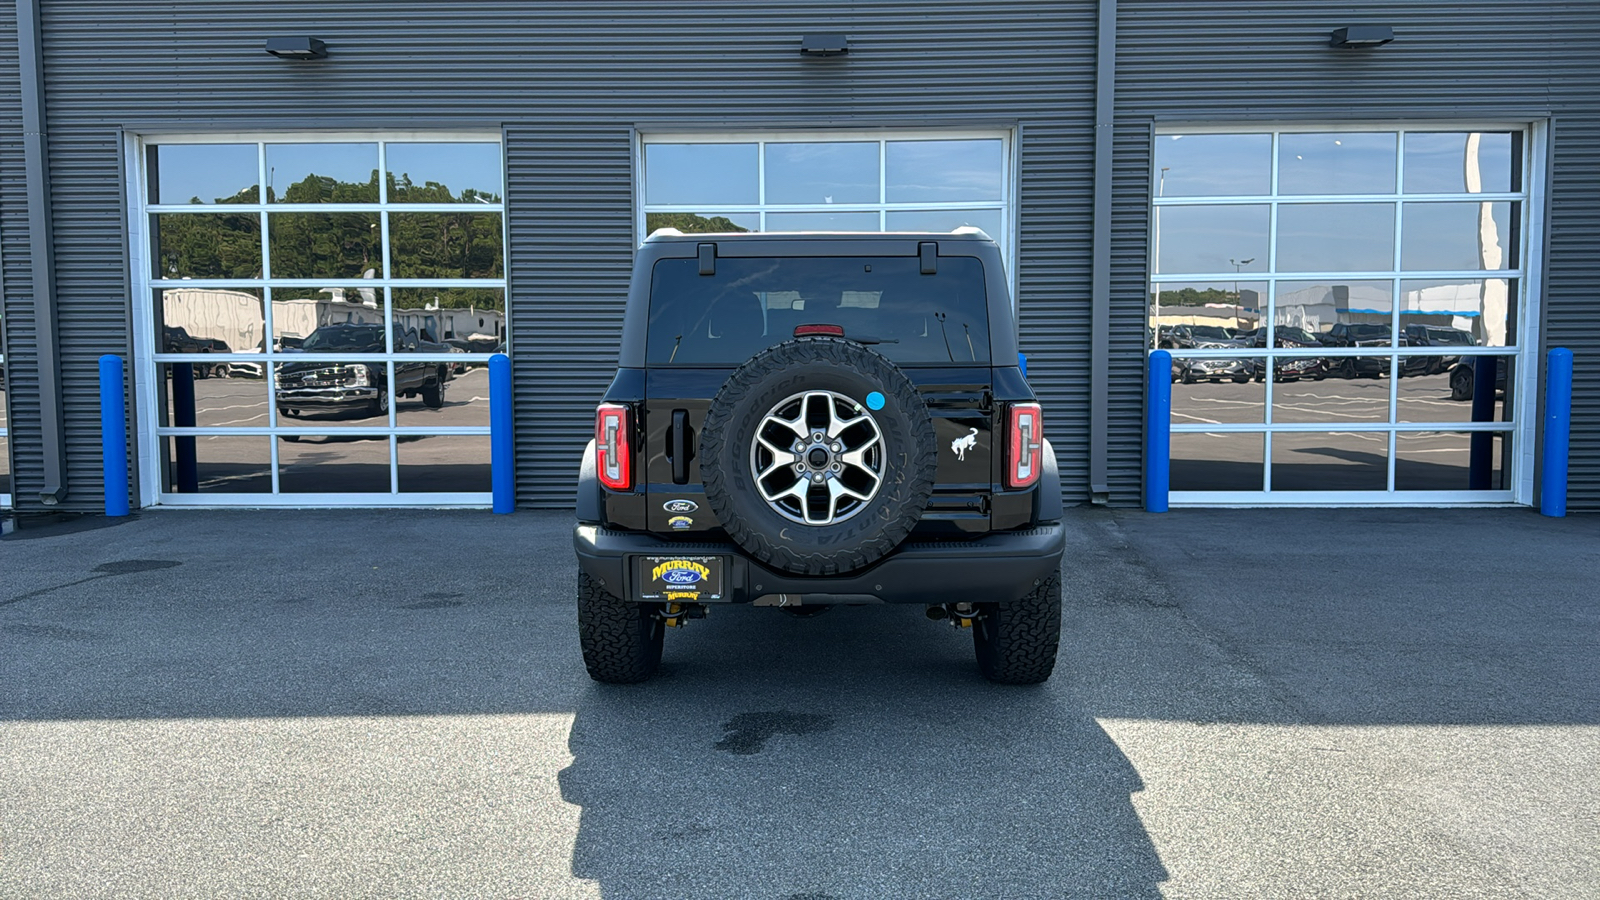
[{"x": 808, "y": 420}]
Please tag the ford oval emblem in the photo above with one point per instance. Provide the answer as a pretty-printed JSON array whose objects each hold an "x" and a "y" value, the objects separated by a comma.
[
  {"x": 680, "y": 506},
  {"x": 682, "y": 577}
]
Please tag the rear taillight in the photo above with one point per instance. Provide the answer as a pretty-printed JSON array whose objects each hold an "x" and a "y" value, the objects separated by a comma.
[
  {"x": 1025, "y": 445},
  {"x": 611, "y": 446}
]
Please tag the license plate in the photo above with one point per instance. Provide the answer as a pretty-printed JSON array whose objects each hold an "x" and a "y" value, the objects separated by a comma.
[{"x": 678, "y": 579}]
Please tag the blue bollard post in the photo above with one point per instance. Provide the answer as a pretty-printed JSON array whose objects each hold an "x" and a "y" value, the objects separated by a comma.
[
  {"x": 502, "y": 451},
  {"x": 1158, "y": 432},
  {"x": 1557, "y": 433},
  {"x": 113, "y": 435}
]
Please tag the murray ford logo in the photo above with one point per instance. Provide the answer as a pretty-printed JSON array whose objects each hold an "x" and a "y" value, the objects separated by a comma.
[
  {"x": 680, "y": 572},
  {"x": 680, "y": 506}
]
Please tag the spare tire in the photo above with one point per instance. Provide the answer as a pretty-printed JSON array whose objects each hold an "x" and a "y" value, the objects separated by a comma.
[{"x": 818, "y": 456}]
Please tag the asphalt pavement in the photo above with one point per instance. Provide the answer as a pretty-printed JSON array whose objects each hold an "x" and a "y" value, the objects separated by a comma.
[{"x": 1279, "y": 703}]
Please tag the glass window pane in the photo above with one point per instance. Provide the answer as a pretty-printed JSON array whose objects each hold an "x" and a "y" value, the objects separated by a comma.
[
  {"x": 1185, "y": 316},
  {"x": 1318, "y": 307},
  {"x": 1466, "y": 389},
  {"x": 325, "y": 245},
  {"x": 1335, "y": 237},
  {"x": 5, "y": 462},
  {"x": 204, "y": 173},
  {"x": 945, "y": 220},
  {"x": 333, "y": 464},
  {"x": 1335, "y": 400},
  {"x": 207, "y": 245},
  {"x": 1217, "y": 462},
  {"x": 822, "y": 221},
  {"x": 1214, "y": 165},
  {"x": 444, "y": 463},
  {"x": 822, "y": 173},
  {"x": 472, "y": 320},
  {"x": 1339, "y": 163},
  {"x": 298, "y": 314},
  {"x": 318, "y": 394},
  {"x": 208, "y": 396},
  {"x": 322, "y": 173},
  {"x": 443, "y": 173},
  {"x": 1211, "y": 238},
  {"x": 709, "y": 223},
  {"x": 748, "y": 304},
  {"x": 1218, "y": 390},
  {"x": 1454, "y": 312},
  {"x": 1446, "y": 461},
  {"x": 209, "y": 320},
  {"x": 1344, "y": 461},
  {"x": 1456, "y": 236},
  {"x": 1459, "y": 163},
  {"x": 217, "y": 464},
  {"x": 701, "y": 174},
  {"x": 945, "y": 171},
  {"x": 464, "y": 399},
  {"x": 446, "y": 245}
]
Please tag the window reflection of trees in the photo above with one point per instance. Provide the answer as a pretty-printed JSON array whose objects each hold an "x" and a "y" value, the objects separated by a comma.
[{"x": 453, "y": 245}]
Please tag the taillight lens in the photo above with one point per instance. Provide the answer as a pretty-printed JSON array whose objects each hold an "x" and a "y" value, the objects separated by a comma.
[
  {"x": 611, "y": 446},
  {"x": 1025, "y": 456}
]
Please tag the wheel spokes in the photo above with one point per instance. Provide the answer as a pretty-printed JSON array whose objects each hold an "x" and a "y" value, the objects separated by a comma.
[{"x": 787, "y": 457}]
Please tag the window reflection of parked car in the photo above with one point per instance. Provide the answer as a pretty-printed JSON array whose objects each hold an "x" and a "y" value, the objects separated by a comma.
[
  {"x": 357, "y": 386},
  {"x": 1207, "y": 337},
  {"x": 1289, "y": 368},
  {"x": 177, "y": 339},
  {"x": 1358, "y": 335},
  {"x": 1463, "y": 377},
  {"x": 1432, "y": 336}
]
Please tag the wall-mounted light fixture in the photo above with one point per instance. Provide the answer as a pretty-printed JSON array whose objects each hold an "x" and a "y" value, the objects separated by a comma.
[
  {"x": 1360, "y": 37},
  {"x": 824, "y": 45},
  {"x": 297, "y": 48}
]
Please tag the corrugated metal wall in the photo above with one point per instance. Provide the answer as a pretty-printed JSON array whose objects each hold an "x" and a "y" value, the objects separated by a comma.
[
  {"x": 1459, "y": 59},
  {"x": 22, "y": 384},
  {"x": 568, "y": 84}
]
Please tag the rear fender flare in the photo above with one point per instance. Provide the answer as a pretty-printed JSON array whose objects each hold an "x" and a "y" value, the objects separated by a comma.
[
  {"x": 589, "y": 496},
  {"x": 1047, "y": 496}
]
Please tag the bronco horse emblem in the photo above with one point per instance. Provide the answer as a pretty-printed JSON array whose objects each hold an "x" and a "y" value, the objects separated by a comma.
[{"x": 964, "y": 443}]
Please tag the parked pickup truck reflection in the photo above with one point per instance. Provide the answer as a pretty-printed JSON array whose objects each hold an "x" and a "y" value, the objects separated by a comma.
[{"x": 358, "y": 386}]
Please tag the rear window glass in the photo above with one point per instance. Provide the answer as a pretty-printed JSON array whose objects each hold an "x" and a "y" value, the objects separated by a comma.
[{"x": 752, "y": 304}]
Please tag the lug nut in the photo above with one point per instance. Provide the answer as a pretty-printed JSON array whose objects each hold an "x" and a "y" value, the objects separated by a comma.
[
  {"x": 817, "y": 478},
  {"x": 799, "y": 467},
  {"x": 838, "y": 468},
  {"x": 837, "y": 446}
]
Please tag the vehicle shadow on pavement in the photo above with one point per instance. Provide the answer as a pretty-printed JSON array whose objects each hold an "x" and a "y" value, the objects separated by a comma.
[
  {"x": 857, "y": 754},
  {"x": 854, "y": 754}
]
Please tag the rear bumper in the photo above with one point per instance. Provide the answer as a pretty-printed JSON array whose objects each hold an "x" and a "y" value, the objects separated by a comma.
[{"x": 996, "y": 568}]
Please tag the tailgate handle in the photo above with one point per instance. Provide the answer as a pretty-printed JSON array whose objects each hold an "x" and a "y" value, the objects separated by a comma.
[{"x": 678, "y": 446}]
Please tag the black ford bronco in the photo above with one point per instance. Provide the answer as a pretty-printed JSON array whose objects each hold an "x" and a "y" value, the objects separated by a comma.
[{"x": 808, "y": 420}]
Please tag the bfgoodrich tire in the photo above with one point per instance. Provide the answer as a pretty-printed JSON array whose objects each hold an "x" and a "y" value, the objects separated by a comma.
[
  {"x": 854, "y": 495},
  {"x": 1017, "y": 642},
  {"x": 621, "y": 641}
]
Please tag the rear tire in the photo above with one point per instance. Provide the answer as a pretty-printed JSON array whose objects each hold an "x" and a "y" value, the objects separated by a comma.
[
  {"x": 621, "y": 641},
  {"x": 1016, "y": 643},
  {"x": 433, "y": 394}
]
